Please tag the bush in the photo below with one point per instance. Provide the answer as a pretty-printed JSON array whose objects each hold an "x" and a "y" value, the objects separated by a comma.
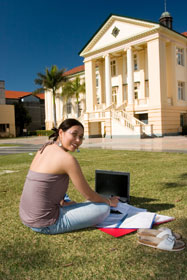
[
  {"x": 44, "y": 132},
  {"x": 31, "y": 133}
]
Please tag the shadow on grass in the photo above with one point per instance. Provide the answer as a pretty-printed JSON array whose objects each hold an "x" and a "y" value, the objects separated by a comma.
[
  {"x": 174, "y": 185},
  {"x": 17, "y": 256},
  {"x": 183, "y": 176},
  {"x": 178, "y": 184},
  {"x": 143, "y": 202}
]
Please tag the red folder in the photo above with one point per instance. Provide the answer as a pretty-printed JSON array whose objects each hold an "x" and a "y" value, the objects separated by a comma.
[{"x": 117, "y": 232}]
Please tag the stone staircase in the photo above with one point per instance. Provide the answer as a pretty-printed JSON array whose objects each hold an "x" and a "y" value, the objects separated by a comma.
[
  {"x": 122, "y": 123},
  {"x": 133, "y": 125}
]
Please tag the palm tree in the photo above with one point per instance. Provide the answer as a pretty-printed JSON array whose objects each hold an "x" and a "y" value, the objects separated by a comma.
[
  {"x": 74, "y": 88},
  {"x": 51, "y": 80}
]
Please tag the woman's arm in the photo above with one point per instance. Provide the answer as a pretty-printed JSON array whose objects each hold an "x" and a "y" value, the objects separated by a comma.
[
  {"x": 72, "y": 168},
  {"x": 66, "y": 203}
]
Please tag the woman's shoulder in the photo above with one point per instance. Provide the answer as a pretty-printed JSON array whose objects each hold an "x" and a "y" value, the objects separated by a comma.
[
  {"x": 64, "y": 161},
  {"x": 53, "y": 160},
  {"x": 56, "y": 153},
  {"x": 66, "y": 156}
]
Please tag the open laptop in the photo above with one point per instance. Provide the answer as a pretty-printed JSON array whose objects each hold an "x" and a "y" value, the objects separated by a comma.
[{"x": 113, "y": 183}]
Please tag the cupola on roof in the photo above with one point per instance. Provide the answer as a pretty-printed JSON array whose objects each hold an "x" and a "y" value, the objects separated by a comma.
[
  {"x": 165, "y": 14},
  {"x": 166, "y": 19}
]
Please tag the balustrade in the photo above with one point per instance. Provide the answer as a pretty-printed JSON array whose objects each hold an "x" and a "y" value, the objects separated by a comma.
[{"x": 123, "y": 117}]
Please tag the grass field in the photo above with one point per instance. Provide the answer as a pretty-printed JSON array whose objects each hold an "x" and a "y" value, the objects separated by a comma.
[
  {"x": 9, "y": 145},
  {"x": 158, "y": 183}
]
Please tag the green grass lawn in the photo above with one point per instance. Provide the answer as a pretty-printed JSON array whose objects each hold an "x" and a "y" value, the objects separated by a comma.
[
  {"x": 9, "y": 145},
  {"x": 158, "y": 183}
]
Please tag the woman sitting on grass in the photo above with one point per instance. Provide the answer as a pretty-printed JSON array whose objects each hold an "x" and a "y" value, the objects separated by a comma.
[{"x": 42, "y": 206}]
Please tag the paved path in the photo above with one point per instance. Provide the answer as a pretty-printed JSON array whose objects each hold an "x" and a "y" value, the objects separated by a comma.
[
  {"x": 161, "y": 144},
  {"x": 21, "y": 145}
]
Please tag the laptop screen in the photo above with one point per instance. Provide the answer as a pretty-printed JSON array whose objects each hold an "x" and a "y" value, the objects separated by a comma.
[{"x": 113, "y": 183}]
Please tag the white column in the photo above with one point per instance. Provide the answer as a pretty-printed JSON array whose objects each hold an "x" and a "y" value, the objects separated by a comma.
[
  {"x": 108, "y": 88},
  {"x": 124, "y": 68},
  {"x": 59, "y": 106},
  {"x": 90, "y": 80},
  {"x": 124, "y": 76},
  {"x": 141, "y": 94},
  {"x": 100, "y": 66},
  {"x": 154, "y": 72},
  {"x": 48, "y": 106},
  {"x": 48, "y": 110},
  {"x": 130, "y": 76}
]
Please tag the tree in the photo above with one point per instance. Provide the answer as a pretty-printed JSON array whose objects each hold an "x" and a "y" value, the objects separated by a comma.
[
  {"x": 52, "y": 80},
  {"x": 74, "y": 88},
  {"x": 22, "y": 118}
]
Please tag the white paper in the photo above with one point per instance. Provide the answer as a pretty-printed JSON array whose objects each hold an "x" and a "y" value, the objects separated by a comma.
[
  {"x": 139, "y": 220},
  {"x": 132, "y": 218},
  {"x": 127, "y": 208}
]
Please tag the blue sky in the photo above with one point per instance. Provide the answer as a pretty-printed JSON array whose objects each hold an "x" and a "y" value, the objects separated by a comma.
[{"x": 36, "y": 34}]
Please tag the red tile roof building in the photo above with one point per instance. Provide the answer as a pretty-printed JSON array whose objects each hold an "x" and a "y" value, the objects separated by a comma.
[
  {"x": 34, "y": 104},
  {"x": 12, "y": 94},
  {"x": 75, "y": 70}
]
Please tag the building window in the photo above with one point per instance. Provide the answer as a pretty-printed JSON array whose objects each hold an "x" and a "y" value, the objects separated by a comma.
[
  {"x": 97, "y": 89},
  {"x": 98, "y": 99},
  {"x": 136, "y": 89},
  {"x": 180, "y": 56},
  {"x": 113, "y": 68},
  {"x": 98, "y": 96},
  {"x": 4, "y": 127},
  {"x": 181, "y": 91},
  {"x": 97, "y": 80},
  {"x": 146, "y": 88},
  {"x": 135, "y": 62},
  {"x": 114, "y": 96},
  {"x": 69, "y": 106},
  {"x": 79, "y": 109},
  {"x": 115, "y": 31}
]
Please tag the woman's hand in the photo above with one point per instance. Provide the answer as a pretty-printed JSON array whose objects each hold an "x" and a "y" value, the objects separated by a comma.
[{"x": 114, "y": 201}]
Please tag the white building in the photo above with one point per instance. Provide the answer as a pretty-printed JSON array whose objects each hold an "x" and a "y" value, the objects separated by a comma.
[{"x": 136, "y": 80}]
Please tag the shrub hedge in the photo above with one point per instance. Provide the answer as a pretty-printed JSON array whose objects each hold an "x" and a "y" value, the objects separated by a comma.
[{"x": 44, "y": 132}]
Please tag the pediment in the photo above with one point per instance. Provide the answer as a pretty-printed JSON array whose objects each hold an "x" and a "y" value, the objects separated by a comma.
[{"x": 115, "y": 30}]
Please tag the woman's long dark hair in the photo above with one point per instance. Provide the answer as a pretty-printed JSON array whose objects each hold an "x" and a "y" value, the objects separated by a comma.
[{"x": 65, "y": 125}]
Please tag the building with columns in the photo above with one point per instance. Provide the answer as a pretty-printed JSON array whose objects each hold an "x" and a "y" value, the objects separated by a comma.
[{"x": 136, "y": 79}]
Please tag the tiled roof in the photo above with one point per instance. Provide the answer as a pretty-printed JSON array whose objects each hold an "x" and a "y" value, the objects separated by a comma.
[
  {"x": 74, "y": 70},
  {"x": 12, "y": 94},
  {"x": 184, "y": 33}
]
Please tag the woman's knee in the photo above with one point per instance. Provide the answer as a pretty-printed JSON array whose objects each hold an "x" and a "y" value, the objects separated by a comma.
[
  {"x": 103, "y": 209},
  {"x": 106, "y": 208}
]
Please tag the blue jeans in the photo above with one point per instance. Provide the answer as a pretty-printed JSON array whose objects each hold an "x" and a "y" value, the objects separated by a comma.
[{"x": 77, "y": 216}]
